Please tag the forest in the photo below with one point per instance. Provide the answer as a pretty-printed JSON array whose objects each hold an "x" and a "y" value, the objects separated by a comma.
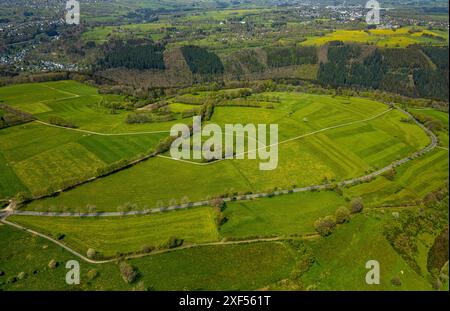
[
  {"x": 414, "y": 71},
  {"x": 201, "y": 61},
  {"x": 127, "y": 55}
]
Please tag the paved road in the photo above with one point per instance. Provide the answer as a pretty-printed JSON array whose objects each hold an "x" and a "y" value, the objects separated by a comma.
[{"x": 430, "y": 147}]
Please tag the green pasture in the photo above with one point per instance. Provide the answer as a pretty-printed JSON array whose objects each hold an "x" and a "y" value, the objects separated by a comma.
[
  {"x": 412, "y": 181},
  {"x": 340, "y": 259},
  {"x": 439, "y": 116},
  {"x": 37, "y": 157},
  {"x": 179, "y": 108},
  {"x": 76, "y": 102},
  {"x": 436, "y": 114},
  {"x": 100, "y": 34},
  {"x": 292, "y": 214},
  {"x": 335, "y": 154},
  {"x": 110, "y": 236},
  {"x": 222, "y": 267}
]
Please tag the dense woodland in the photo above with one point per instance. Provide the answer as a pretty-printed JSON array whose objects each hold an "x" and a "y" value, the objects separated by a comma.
[
  {"x": 126, "y": 55},
  {"x": 414, "y": 71},
  {"x": 201, "y": 61},
  {"x": 288, "y": 56}
]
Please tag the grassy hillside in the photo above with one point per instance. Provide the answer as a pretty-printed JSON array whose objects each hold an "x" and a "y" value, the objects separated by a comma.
[
  {"x": 242, "y": 267},
  {"x": 356, "y": 137},
  {"x": 340, "y": 259},
  {"x": 109, "y": 236},
  {"x": 40, "y": 158}
]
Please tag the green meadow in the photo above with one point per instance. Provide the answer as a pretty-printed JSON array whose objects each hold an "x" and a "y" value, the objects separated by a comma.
[
  {"x": 441, "y": 118},
  {"x": 341, "y": 258},
  {"x": 287, "y": 215},
  {"x": 322, "y": 139},
  {"x": 110, "y": 236},
  {"x": 37, "y": 157},
  {"x": 222, "y": 267},
  {"x": 231, "y": 267},
  {"x": 411, "y": 182},
  {"x": 339, "y": 264},
  {"x": 357, "y": 136},
  {"x": 98, "y": 151}
]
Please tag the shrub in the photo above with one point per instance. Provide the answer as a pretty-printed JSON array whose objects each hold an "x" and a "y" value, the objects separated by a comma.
[
  {"x": 21, "y": 275},
  {"x": 173, "y": 242},
  {"x": 390, "y": 174},
  {"x": 218, "y": 203},
  {"x": 138, "y": 117},
  {"x": 91, "y": 253},
  {"x": 11, "y": 280},
  {"x": 220, "y": 218},
  {"x": 438, "y": 253},
  {"x": 53, "y": 264},
  {"x": 357, "y": 205},
  {"x": 147, "y": 249},
  {"x": 325, "y": 226},
  {"x": 396, "y": 281},
  {"x": 342, "y": 215},
  {"x": 92, "y": 274},
  {"x": 437, "y": 284},
  {"x": 60, "y": 236},
  {"x": 22, "y": 197},
  {"x": 128, "y": 272},
  {"x": 58, "y": 121}
]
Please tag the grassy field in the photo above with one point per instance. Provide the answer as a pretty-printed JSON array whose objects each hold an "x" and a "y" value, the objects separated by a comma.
[
  {"x": 336, "y": 154},
  {"x": 10, "y": 184},
  {"x": 285, "y": 215},
  {"x": 22, "y": 252},
  {"x": 439, "y": 116},
  {"x": 103, "y": 33},
  {"x": 110, "y": 236},
  {"x": 38, "y": 157},
  {"x": 339, "y": 264},
  {"x": 357, "y": 136},
  {"x": 340, "y": 259},
  {"x": 412, "y": 181},
  {"x": 381, "y": 37},
  {"x": 240, "y": 267},
  {"x": 232, "y": 267}
]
